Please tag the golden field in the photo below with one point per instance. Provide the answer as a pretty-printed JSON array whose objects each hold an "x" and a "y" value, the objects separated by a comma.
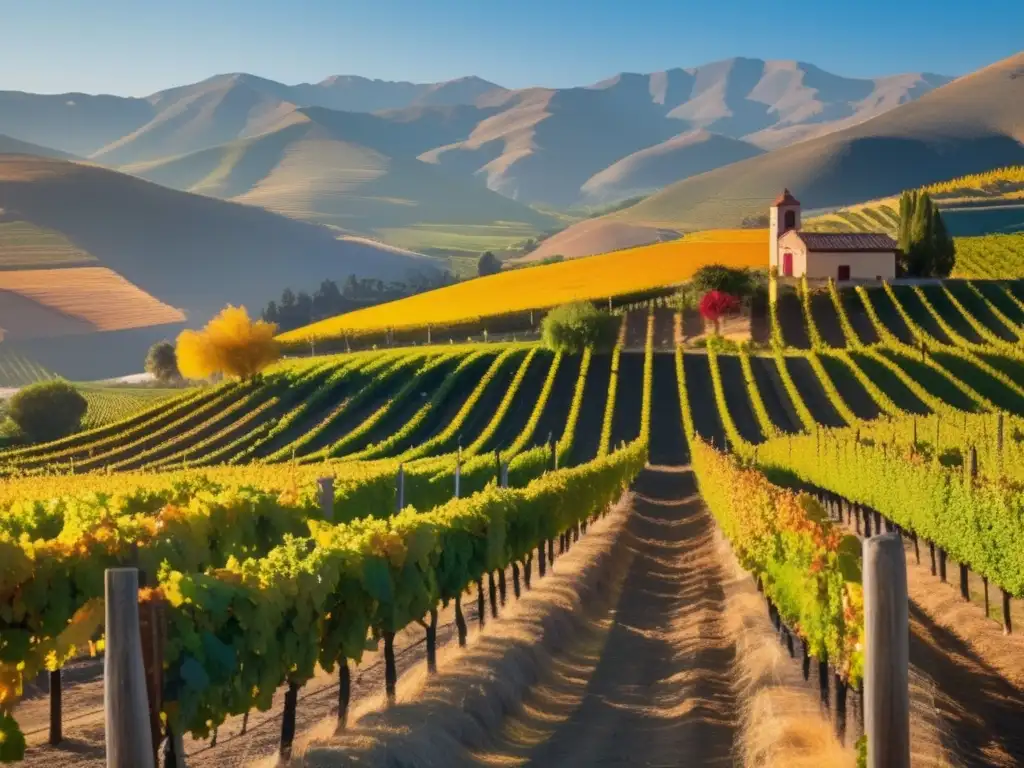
[
  {"x": 595, "y": 277},
  {"x": 82, "y": 298},
  {"x": 729, "y": 236}
]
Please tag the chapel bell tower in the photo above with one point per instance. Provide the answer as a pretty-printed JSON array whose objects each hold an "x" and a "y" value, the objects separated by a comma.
[{"x": 784, "y": 216}]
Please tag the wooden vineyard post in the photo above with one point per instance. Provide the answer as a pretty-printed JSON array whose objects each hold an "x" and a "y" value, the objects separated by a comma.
[
  {"x": 400, "y": 488},
  {"x": 1007, "y": 621},
  {"x": 128, "y": 735},
  {"x": 325, "y": 496},
  {"x": 972, "y": 465},
  {"x": 823, "y": 693},
  {"x": 481, "y": 605},
  {"x": 152, "y": 630},
  {"x": 55, "y": 707},
  {"x": 458, "y": 472},
  {"x": 887, "y": 653}
]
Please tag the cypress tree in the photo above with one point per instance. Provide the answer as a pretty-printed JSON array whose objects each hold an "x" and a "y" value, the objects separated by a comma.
[
  {"x": 943, "y": 251},
  {"x": 906, "y": 214},
  {"x": 918, "y": 256},
  {"x": 927, "y": 249}
]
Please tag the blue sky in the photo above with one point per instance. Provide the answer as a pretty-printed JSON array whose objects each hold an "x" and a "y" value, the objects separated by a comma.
[{"x": 136, "y": 47}]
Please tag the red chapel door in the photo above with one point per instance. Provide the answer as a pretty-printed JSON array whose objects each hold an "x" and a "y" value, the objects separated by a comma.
[{"x": 787, "y": 264}]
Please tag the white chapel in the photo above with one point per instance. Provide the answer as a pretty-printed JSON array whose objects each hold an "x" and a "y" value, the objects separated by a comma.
[{"x": 821, "y": 255}]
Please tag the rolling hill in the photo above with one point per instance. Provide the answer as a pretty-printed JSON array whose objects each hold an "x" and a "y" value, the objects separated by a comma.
[
  {"x": 970, "y": 125},
  {"x": 9, "y": 146},
  {"x": 979, "y": 204},
  {"x": 352, "y": 172},
  {"x": 650, "y": 169},
  {"x": 617, "y": 274},
  {"x": 187, "y": 252}
]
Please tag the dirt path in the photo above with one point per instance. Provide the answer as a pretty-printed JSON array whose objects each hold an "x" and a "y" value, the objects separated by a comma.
[{"x": 648, "y": 682}]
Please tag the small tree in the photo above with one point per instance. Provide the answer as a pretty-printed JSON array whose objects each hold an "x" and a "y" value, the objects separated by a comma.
[
  {"x": 488, "y": 265},
  {"x": 736, "y": 281},
  {"x": 230, "y": 344},
  {"x": 48, "y": 410},
  {"x": 716, "y": 305},
  {"x": 574, "y": 327},
  {"x": 162, "y": 363},
  {"x": 926, "y": 248}
]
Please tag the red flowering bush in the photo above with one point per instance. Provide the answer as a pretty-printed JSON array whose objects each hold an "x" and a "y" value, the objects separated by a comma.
[{"x": 716, "y": 304}]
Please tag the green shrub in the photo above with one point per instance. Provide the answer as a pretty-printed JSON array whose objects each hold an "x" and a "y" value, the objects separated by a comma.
[
  {"x": 162, "y": 362},
  {"x": 48, "y": 410},
  {"x": 574, "y": 327},
  {"x": 740, "y": 282},
  {"x": 488, "y": 265}
]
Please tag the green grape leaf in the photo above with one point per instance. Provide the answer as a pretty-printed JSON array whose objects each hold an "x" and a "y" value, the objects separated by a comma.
[
  {"x": 14, "y": 644},
  {"x": 849, "y": 558},
  {"x": 12, "y": 740},
  {"x": 194, "y": 675},
  {"x": 377, "y": 578},
  {"x": 220, "y": 658}
]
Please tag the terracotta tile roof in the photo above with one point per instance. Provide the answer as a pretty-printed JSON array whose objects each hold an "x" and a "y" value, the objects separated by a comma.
[
  {"x": 847, "y": 241},
  {"x": 786, "y": 199}
]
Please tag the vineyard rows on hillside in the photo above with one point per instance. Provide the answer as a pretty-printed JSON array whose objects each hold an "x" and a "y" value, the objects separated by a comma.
[
  {"x": 429, "y": 425},
  {"x": 374, "y": 487}
]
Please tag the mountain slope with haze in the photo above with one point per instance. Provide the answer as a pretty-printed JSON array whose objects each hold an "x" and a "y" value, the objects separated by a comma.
[
  {"x": 973, "y": 124},
  {"x": 310, "y": 168},
  {"x": 535, "y": 145},
  {"x": 188, "y": 252}
]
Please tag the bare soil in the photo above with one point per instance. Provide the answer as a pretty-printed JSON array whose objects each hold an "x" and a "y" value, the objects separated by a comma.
[{"x": 649, "y": 682}]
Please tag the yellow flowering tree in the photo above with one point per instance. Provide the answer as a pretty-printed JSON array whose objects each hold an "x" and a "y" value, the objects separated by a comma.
[{"x": 231, "y": 344}]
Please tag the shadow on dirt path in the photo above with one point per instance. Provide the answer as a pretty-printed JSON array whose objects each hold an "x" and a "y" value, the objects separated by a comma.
[{"x": 648, "y": 682}]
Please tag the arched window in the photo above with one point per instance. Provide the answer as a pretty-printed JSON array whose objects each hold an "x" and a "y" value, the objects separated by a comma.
[{"x": 790, "y": 220}]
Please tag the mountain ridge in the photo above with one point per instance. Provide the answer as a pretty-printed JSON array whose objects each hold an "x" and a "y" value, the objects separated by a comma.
[
  {"x": 538, "y": 145},
  {"x": 972, "y": 124}
]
